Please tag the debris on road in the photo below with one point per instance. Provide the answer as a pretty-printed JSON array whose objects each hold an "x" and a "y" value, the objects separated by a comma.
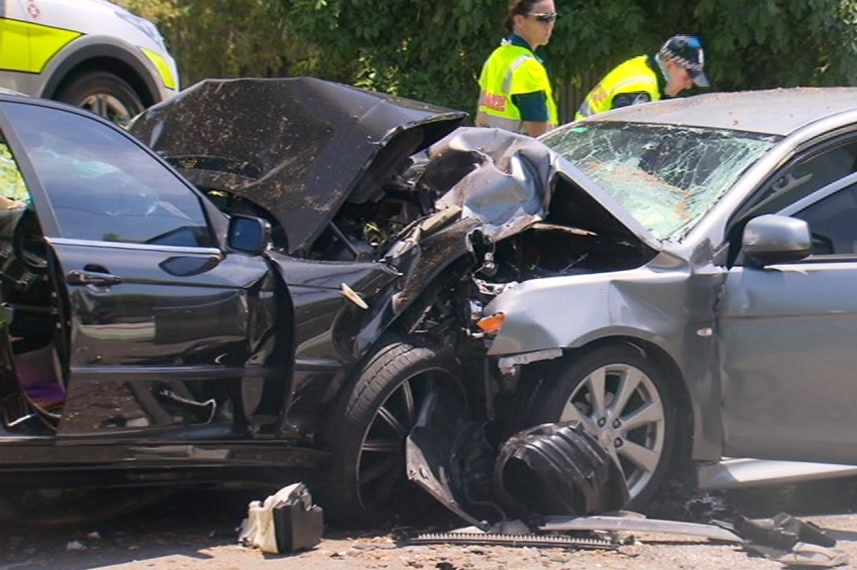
[
  {"x": 75, "y": 546},
  {"x": 285, "y": 522},
  {"x": 522, "y": 540},
  {"x": 639, "y": 523}
]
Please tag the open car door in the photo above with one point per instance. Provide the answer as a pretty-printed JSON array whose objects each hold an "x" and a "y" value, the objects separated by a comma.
[{"x": 152, "y": 325}]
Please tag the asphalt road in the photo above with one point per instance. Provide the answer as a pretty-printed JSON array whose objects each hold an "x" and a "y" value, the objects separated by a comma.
[{"x": 196, "y": 530}]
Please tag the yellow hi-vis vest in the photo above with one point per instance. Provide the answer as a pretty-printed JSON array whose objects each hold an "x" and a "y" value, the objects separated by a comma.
[
  {"x": 511, "y": 70},
  {"x": 633, "y": 76}
]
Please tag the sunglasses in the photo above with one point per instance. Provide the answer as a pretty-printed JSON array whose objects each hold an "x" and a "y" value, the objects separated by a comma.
[{"x": 544, "y": 17}]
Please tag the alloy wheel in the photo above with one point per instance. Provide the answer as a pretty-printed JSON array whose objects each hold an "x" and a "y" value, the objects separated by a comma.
[
  {"x": 621, "y": 407},
  {"x": 381, "y": 468}
]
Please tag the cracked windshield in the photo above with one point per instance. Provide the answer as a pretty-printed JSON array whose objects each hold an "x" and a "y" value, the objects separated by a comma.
[{"x": 667, "y": 177}]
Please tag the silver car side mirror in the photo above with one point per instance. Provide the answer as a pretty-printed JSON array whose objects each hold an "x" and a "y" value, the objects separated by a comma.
[{"x": 771, "y": 238}]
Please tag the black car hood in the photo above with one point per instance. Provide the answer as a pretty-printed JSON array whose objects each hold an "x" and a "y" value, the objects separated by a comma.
[{"x": 298, "y": 147}]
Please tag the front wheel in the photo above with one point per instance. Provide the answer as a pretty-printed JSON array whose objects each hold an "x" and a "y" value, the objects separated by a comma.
[
  {"x": 103, "y": 93},
  {"x": 623, "y": 399},
  {"x": 366, "y": 433}
]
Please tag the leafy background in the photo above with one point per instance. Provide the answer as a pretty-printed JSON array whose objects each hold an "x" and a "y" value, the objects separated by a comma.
[{"x": 433, "y": 51}]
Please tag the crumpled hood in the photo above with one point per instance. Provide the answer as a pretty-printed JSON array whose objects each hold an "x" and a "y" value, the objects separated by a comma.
[
  {"x": 511, "y": 181},
  {"x": 298, "y": 147}
]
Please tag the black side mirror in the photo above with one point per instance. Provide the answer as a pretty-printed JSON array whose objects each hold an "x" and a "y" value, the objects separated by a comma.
[
  {"x": 771, "y": 239},
  {"x": 248, "y": 234}
]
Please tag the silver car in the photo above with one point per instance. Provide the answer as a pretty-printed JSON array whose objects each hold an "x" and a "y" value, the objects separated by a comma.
[{"x": 724, "y": 327}]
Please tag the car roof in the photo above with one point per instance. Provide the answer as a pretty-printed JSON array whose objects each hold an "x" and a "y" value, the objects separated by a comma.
[{"x": 773, "y": 111}]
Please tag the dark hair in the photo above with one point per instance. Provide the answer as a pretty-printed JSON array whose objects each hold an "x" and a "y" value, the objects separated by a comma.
[{"x": 517, "y": 7}]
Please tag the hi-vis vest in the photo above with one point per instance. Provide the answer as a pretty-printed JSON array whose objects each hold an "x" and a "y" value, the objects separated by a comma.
[
  {"x": 511, "y": 70},
  {"x": 633, "y": 76}
]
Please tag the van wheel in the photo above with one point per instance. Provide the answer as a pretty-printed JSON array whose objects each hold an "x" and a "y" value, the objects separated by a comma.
[
  {"x": 103, "y": 93},
  {"x": 623, "y": 399},
  {"x": 366, "y": 433}
]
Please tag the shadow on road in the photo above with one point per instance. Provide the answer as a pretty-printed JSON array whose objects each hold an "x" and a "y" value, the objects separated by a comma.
[{"x": 184, "y": 525}]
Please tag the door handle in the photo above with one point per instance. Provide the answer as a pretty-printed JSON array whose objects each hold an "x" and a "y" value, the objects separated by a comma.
[{"x": 77, "y": 277}]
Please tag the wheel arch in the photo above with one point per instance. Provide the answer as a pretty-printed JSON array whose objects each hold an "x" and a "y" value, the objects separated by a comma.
[{"x": 108, "y": 58}]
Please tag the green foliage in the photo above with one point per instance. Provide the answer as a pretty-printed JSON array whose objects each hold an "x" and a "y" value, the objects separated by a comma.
[
  {"x": 434, "y": 51},
  {"x": 224, "y": 38},
  {"x": 780, "y": 43}
]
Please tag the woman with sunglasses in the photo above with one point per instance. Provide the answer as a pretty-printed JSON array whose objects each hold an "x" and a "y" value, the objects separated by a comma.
[
  {"x": 515, "y": 91},
  {"x": 677, "y": 66}
]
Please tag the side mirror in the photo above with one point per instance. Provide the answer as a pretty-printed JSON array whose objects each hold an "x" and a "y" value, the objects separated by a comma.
[
  {"x": 773, "y": 239},
  {"x": 248, "y": 234}
]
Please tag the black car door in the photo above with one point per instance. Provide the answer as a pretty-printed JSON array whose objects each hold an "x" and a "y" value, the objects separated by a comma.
[{"x": 164, "y": 329}]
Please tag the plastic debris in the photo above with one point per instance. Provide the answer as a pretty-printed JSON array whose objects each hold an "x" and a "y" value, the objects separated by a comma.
[{"x": 286, "y": 521}]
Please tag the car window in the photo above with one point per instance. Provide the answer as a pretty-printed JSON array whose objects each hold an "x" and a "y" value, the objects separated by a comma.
[
  {"x": 832, "y": 223},
  {"x": 103, "y": 186},
  {"x": 666, "y": 176},
  {"x": 806, "y": 175}
]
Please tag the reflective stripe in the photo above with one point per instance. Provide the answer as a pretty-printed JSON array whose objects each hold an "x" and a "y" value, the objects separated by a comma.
[
  {"x": 507, "y": 81},
  {"x": 41, "y": 43},
  {"x": 585, "y": 110},
  {"x": 46, "y": 42},
  {"x": 634, "y": 75},
  {"x": 635, "y": 81},
  {"x": 14, "y": 46},
  {"x": 164, "y": 68},
  {"x": 493, "y": 121}
]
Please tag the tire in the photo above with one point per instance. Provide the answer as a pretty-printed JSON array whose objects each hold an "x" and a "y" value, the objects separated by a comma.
[
  {"x": 103, "y": 93},
  {"x": 367, "y": 483},
  {"x": 644, "y": 449}
]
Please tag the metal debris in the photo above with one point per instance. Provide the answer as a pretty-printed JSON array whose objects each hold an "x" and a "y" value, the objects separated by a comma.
[{"x": 531, "y": 540}]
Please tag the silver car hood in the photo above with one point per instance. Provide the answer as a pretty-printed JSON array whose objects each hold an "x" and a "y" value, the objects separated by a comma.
[{"x": 512, "y": 181}]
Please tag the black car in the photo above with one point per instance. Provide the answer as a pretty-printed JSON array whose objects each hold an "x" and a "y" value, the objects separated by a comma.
[{"x": 276, "y": 301}]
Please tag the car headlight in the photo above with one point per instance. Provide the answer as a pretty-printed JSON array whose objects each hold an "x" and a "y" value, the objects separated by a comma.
[{"x": 144, "y": 26}]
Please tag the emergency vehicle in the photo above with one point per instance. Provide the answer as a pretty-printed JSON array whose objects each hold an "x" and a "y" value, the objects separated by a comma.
[{"x": 90, "y": 53}]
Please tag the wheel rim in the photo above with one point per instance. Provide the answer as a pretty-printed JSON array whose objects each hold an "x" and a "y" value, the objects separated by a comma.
[
  {"x": 621, "y": 407},
  {"x": 110, "y": 107},
  {"x": 381, "y": 465}
]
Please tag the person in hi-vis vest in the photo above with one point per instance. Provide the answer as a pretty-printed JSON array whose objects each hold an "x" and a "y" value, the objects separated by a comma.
[
  {"x": 677, "y": 66},
  {"x": 515, "y": 92}
]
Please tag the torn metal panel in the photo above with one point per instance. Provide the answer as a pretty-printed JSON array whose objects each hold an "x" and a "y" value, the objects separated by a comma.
[
  {"x": 420, "y": 260},
  {"x": 448, "y": 456},
  {"x": 508, "y": 181}
]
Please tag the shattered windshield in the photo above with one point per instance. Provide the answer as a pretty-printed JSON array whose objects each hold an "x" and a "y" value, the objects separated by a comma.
[{"x": 668, "y": 177}]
